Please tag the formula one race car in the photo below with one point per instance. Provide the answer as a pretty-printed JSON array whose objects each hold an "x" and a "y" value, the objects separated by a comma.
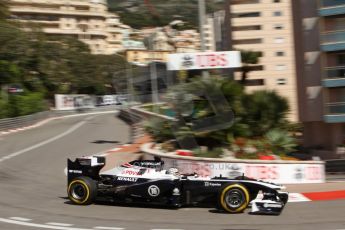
[{"x": 145, "y": 181}]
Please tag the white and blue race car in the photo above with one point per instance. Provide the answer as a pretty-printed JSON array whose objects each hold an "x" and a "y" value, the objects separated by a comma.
[{"x": 146, "y": 181}]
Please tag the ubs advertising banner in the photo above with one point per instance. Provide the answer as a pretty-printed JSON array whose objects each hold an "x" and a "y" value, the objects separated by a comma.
[
  {"x": 282, "y": 173},
  {"x": 204, "y": 60},
  {"x": 70, "y": 102}
]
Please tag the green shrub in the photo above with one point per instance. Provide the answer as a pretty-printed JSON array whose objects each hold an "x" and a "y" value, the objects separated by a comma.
[
  {"x": 280, "y": 142},
  {"x": 159, "y": 130},
  {"x": 28, "y": 103},
  {"x": 213, "y": 153},
  {"x": 3, "y": 109}
]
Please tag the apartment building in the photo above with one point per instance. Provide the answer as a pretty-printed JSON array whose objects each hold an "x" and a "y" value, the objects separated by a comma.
[
  {"x": 144, "y": 57},
  {"x": 187, "y": 41},
  {"x": 116, "y": 34},
  {"x": 169, "y": 39},
  {"x": 160, "y": 42},
  {"x": 210, "y": 31},
  {"x": 320, "y": 60},
  {"x": 266, "y": 26},
  {"x": 87, "y": 20}
]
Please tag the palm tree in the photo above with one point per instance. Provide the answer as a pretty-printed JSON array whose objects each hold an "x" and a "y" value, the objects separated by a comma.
[
  {"x": 264, "y": 110},
  {"x": 281, "y": 141},
  {"x": 249, "y": 58},
  {"x": 3, "y": 10}
]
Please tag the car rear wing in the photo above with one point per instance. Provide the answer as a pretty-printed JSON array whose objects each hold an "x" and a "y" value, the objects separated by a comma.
[{"x": 85, "y": 166}]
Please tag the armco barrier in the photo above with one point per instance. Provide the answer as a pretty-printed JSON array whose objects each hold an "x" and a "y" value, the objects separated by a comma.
[
  {"x": 278, "y": 171},
  {"x": 134, "y": 121},
  {"x": 24, "y": 121},
  {"x": 147, "y": 114},
  {"x": 129, "y": 116},
  {"x": 18, "y": 122},
  {"x": 335, "y": 166}
]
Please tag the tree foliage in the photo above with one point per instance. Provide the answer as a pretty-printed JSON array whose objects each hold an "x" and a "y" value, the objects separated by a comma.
[
  {"x": 3, "y": 10},
  {"x": 137, "y": 14},
  {"x": 249, "y": 58},
  {"x": 46, "y": 65},
  {"x": 264, "y": 110},
  {"x": 280, "y": 141},
  {"x": 256, "y": 114}
]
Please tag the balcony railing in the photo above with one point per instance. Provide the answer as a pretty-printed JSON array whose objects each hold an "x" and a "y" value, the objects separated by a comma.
[
  {"x": 335, "y": 72},
  {"x": 335, "y": 108},
  {"x": 57, "y": 11},
  {"x": 333, "y": 37},
  {"x": 332, "y": 3}
]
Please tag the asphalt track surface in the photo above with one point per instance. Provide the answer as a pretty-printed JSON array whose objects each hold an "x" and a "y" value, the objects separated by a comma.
[{"x": 33, "y": 188}]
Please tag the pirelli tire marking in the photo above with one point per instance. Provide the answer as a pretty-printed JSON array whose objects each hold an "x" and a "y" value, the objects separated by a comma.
[
  {"x": 73, "y": 198},
  {"x": 233, "y": 188}
]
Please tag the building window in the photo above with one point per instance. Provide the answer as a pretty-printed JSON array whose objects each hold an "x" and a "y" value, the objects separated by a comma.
[
  {"x": 246, "y": 15},
  {"x": 246, "y": 28},
  {"x": 278, "y": 27},
  {"x": 247, "y": 41},
  {"x": 280, "y": 54},
  {"x": 281, "y": 81},
  {"x": 254, "y": 82},
  {"x": 236, "y": 2},
  {"x": 279, "y": 40},
  {"x": 276, "y": 1},
  {"x": 341, "y": 59},
  {"x": 277, "y": 13},
  {"x": 280, "y": 67}
]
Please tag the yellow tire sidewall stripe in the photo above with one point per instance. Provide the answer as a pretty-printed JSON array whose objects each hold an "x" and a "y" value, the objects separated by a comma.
[
  {"x": 225, "y": 190},
  {"x": 86, "y": 188}
]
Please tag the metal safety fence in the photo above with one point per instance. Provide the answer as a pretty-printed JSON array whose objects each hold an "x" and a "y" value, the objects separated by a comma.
[
  {"x": 19, "y": 122},
  {"x": 24, "y": 121},
  {"x": 135, "y": 122}
]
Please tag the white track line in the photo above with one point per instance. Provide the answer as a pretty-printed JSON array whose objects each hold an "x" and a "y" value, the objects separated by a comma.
[
  {"x": 20, "y": 218},
  {"x": 86, "y": 114},
  {"x": 115, "y": 149},
  {"x": 72, "y": 129},
  {"x": 101, "y": 155},
  {"x": 8, "y": 221},
  {"x": 166, "y": 229},
  {"x": 108, "y": 228},
  {"x": 59, "y": 224}
]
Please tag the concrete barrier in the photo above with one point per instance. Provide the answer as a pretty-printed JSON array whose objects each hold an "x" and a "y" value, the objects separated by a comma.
[{"x": 277, "y": 171}]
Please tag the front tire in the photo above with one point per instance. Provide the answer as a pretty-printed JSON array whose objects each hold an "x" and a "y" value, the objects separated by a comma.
[
  {"x": 82, "y": 190},
  {"x": 234, "y": 198}
]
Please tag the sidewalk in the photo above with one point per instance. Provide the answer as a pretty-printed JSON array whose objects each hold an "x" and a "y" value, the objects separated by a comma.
[{"x": 306, "y": 188}]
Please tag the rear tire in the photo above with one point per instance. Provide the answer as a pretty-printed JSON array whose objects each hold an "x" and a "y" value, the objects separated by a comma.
[
  {"x": 234, "y": 198},
  {"x": 82, "y": 190}
]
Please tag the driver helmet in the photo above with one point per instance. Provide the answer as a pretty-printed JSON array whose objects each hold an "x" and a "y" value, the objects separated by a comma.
[{"x": 173, "y": 171}]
